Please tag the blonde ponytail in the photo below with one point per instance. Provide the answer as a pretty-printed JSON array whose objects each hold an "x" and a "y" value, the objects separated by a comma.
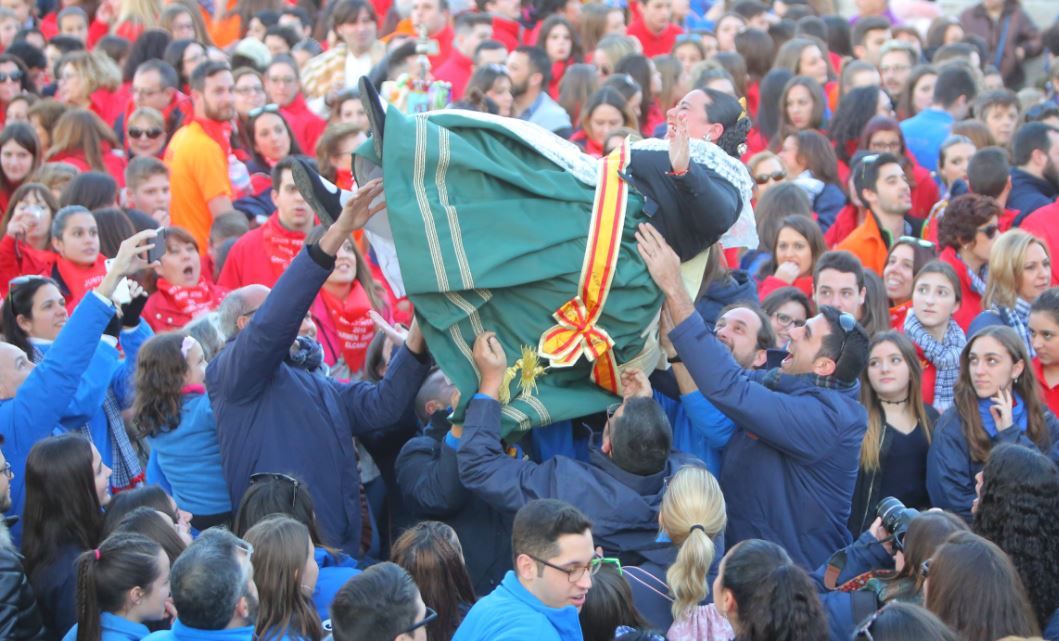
[{"x": 692, "y": 514}]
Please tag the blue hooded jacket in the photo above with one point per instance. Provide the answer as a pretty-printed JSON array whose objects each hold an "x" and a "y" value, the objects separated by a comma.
[
  {"x": 789, "y": 469},
  {"x": 511, "y": 613}
]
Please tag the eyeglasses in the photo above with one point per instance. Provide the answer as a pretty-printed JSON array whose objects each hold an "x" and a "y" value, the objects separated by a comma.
[
  {"x": 276, "y": 476},
  {"x": 24, "y": 280},
  {"x": 144, "y": 93},
  {"x": 612, "y": 409},
  {"x": 577, "y": 573},
  {"x": 7, "y": 471},
  {"x": 428, "y": 618},
  {"x": 249, "y": 91},
  {"x": 885, "y": 147},
  {"x": 779, "y": 175},
  {"x": 922, "y": 242},
  {"x": 153, "y": 133},
  {"x": 13, "y": 76},
  {"x": 863, "y": 631},
  {"x": 786, "y": 321},
  {"x": 271, "y": 108},
  {"x": 989, "y": 231},
  {"x": 924, "y": 569}
]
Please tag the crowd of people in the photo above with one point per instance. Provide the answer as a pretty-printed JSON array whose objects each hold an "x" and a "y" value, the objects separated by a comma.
[{"x": 219, "y": 418}]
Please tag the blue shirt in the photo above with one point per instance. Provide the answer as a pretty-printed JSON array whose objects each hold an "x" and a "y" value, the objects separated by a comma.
[
  {"x": 114, "y": 628},
  {"x": 511, "y": 612},
  {"x": 181, "y": 632},
  {"x": 924, "y": 133}
]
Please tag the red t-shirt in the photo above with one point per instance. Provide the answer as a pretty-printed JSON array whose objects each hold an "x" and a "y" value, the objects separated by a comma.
[
  {"x": 654, "y": 44},
  {"x": 1049, "y": 394}
]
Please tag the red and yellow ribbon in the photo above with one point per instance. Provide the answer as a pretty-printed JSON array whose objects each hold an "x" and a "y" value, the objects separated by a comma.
[{"x": 576, "y": 333}]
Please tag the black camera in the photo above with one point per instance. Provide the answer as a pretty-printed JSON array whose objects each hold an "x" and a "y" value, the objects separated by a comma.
[{"x": 895, "y": 518}]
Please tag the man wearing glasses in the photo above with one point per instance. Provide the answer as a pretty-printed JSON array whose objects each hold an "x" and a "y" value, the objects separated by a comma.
[
  {"x": 381, "y": 603},
  {"x": 790, "y": 467},
  {"x": 540, "y": 599}
]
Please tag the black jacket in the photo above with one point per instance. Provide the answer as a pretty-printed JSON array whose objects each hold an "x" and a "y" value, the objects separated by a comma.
[
  {"x": 1029, "y": 193},
  {"x": 54, "y": 583},
  {"x": 429, "y": 480},
  {"x": 20, "y": 619}
]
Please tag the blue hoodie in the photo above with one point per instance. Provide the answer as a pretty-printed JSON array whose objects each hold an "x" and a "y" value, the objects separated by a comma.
[
  {"x": 335, "y": 570},
  {"x": 181, "y": 632},
  {"x": 114, "y": 628},
  {"x": 511, "y": 613}
]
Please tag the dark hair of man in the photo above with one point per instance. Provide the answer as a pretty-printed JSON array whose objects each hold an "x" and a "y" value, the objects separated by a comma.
[
  {"x": 868, "y": 178},
  {"x": 376, "y": 605},
  {"x": 487, "y": 45},
  {"x": 206, "y": 70},
  {"x": 849, "y": 349},
  {"x": 954, "y": 52},
  {"x": 30, "y": 56},
  {"x": 300, "y": 13},
  {"x": 641, "y": 437},
  {"x": 287, "y": 32},
  {"x": 467, "y": 21},
  {"x": 766, "y": 338},
  {"x": 988, "y": 171},
  {"x": 539, "y": 62},
  {"x": 168, "y": 75},
  {"x": 1029, "y": 138},
  {"x": 539, "y": 524},
  {"x": 840, "y": 261},
  {"x": 286, "y": 164},
  {"x": 208, "y": 580},
  {"x": 995, "y": 98},
  {"x": 954, "y": 81},
  {"x": 866, "y": 25}
]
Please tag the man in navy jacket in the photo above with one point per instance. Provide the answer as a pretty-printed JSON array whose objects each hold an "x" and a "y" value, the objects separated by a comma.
[
  {"x": 790, "y": 467},
  {"x": 276, "y": 411},
  {"x": 620, "y": 488}
]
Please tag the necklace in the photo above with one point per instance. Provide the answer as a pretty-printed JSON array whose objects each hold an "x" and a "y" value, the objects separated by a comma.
[{"x": 900, "y": 402}]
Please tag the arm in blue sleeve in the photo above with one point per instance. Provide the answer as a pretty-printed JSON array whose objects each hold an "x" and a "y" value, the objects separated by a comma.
[
  {"x": 131, "y": 342},
  {"x": 707, "y": 420},
  {"x": 155, "y": 474},
  {"x": 383, "y": 403}
]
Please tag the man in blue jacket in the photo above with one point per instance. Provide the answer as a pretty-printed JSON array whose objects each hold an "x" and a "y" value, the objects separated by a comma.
[
  {"x": 277, "y": 412},
  {"x": 541, "y": 598},
  {"x": 789, "y": 470},
  {"x": 620, "y": 487},
  {"x": 34, "y": 398}
]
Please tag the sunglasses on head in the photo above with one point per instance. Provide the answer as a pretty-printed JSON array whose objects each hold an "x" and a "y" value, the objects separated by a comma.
[
  {"x": 270, "y": 108},
  {"x": 761, "y": 179},
  {"x": 912, "y": 240},
  {"x": 152, "y": 133},
  {"x": 13, "y": 76}
]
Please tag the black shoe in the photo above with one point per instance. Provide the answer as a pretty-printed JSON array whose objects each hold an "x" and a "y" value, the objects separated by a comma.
[
  {"x": 369, "y": 97},
  {"x": 325, "y": 198}
]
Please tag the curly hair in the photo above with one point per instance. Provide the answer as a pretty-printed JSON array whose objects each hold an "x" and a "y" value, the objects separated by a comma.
[
  {"x": 964, "y": 215},
  {"x": 1017, "y": 508},
  {"x": 160, "y": 372}
]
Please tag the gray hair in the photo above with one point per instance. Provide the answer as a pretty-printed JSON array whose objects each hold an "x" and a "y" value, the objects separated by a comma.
[
  {"x": 231, "y": 308},
  {"x": 206, "y": 330},
  {"x": 208, "y": 579}
]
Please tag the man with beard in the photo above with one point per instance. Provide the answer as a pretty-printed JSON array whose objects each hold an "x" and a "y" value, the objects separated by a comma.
[
  {"x": 1035, "y": 178},
  {"x": 213, "y": 590},
  {"x": 883, "y": 187},
  {"x": 530, "y": 72},
  {"x": 198, "y": 155}
]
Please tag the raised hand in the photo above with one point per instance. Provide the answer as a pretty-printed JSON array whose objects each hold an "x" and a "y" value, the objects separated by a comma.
[
  {"x": 679, "y": 147},
  {"x": 634, "y": 384},
  {"x": 491, "y": 361}
]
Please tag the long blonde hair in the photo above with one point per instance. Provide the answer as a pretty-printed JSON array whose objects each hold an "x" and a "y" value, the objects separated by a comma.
[
  {"x": 145, "y": 12},
  {"x": 97, "y": 70},
  {"x": 1005, "y": 267},
  {"x": 692, "y": 514}
]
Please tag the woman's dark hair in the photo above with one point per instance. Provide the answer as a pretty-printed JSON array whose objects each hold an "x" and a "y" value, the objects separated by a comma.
[
  {"x": 608, "y": 604},
  {"x": 277, "y": 495},
  {"x": 875, "y": 312},
  {"x": 639, "y": 68},
  {"x": 975, "y": 589},
  {"x": 770, "y": 109},
  {"x": 114, "y": 228},
  {"x": 150, "y": 45},
  {"x": 174, "y": 55},
  {"x": 19, "y": 302},
  {"x": 816, "y": 119},
  {"x": 839, "y": 36},
  {"x": 926, "y": 533},
  {"x": 1046, "y": 303},
  {"x": 160, "y": 371},
  {"x": 374, "y": 359},
  {"x": 105, "y": 576},
  {"x": 758, "y": 52},
  {"x": 281, "y": 545},
  {"x": 735, "y": 65},
  {"x": 605, "y": 96},
  {"x": 966, "y": 399},
  {"x": 152, "y": 496},
  {"x": 62, "y": 506},
  {"x": 726, "y": 111},
  {"x": 91, "y": 190},
  {"x": 38, "y": 190},
  {"x": 1017, "y": 511},
  {"x": 921, "y": 257},
  {"x": 906, "y": 106},
  {"x": 24, "y": 136},
  {"x": 808, "y": 229},
  {"x": 776, "y": 599},
  {"x": 295, "y": 149},
  {"x": 81, "y": 130},
  {"x": 780, "y": 297},
  {"x": 963, "y": 216},
  {"x": 481, "y": 83},
  {"x": 553, "y": 21},
  {"x": 431, "y": 553},
  {"x": 776, "y": 205},
  {"x": 898, "y": 621},
  {"x": 817, "y": 154},
  {"x": 155, "y": 525},
  {"x": 854, "y": 111}
]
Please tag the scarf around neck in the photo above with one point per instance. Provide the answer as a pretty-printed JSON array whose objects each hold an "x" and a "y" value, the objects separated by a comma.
[
  {"x": 1018, "y": 415},
  {"x": 80, "y": 280},
  {"x": 1018, "y": 319},
  {"x": 191, "y": 301},
  {"x": 354, "y": 327},
  {"x": 945, "y": 356},
  {"x": 281, "y": 244}
]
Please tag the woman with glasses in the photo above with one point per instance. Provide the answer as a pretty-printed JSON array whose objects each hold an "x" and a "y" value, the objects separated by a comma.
[
  {"x": 273, "y": 139},
  {"x": 145, "y": 133},
  {"x": 26, "y": 245},
  {"x": 972, "y": 586},
  {"x": 893, "y": 455},
  {"x": 669, "y": 586},
  {"x": 273, "y": 493},
  {"x": 1020, "y": 270},
  {"x": 996, "y": 401},
  {"x": 433, "y": 556},
  {"x": 795, "y": 249},
  {"x": 786, "y": 307},
  {"x": 1018, "y": 497},
  {"x": 906, "y": 258},
  {"x": 285, "y": 573},
  {"x": 937, "y": 337},
  {"x": 965, "y": 237},
  {"x": 882, "y": 135}
]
